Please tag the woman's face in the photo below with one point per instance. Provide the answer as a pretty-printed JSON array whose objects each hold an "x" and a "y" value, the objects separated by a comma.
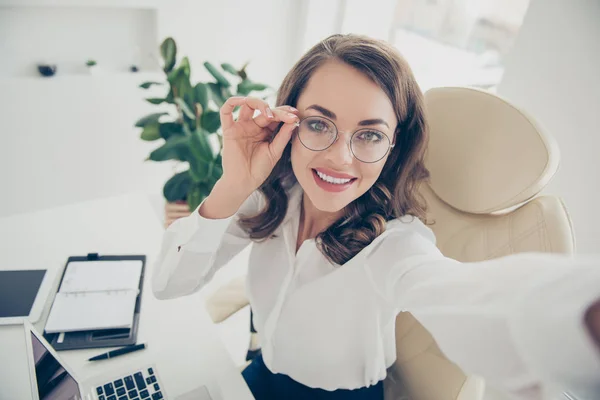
[{"x": 347, "y": 97}]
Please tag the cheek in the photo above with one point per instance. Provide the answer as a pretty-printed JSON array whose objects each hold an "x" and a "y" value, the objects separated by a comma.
[
  {"x": 369, "y": 174},
  {"x": 300, "y": 158}
]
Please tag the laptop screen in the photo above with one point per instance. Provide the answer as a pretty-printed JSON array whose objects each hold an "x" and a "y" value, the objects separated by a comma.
[{"x": 53, "y": 381}]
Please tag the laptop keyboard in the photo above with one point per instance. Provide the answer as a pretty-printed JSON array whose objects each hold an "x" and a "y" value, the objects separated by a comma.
[{"x": 141, "y": 385}]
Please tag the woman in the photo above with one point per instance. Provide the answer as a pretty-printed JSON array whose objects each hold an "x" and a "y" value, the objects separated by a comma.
[{"x": 325, "y": 186}]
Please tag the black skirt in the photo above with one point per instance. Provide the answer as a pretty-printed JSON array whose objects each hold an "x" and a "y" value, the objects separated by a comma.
[{"x": 266, "y": 385}]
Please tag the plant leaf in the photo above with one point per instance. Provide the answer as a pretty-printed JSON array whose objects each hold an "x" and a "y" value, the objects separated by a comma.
[
  {"x": 176, "y": 188},
  {"x": 169, "y": 129},
  {"x": 242, "y": 88},
  {"x": 211, "y": 121},
  {"x": 146, "y": 85},
  {"x": 168, "y": 50},
  {"x": 242, "y": 72},
  {"x": 201, "y": 95},
  {"x": 216, "y": 94},
  {"x": 176, "y": 148},
  {"x": 188, "y": 97},
  {"x": 258, "y": 86},
  {"x": 184, "y": 108},
  {"x": 200, "y": 146},
  {"x": 198, "y": 169},
  {"x": 150, "y": 132},
  {"x": 198, "y": 192},
  {"x": 229, "y": 68},
  {"x": 149, "y": 119},
  {"x": 171, "y": 76},
  {"x": 180, "y": 84},
  {"x": 216, "y": 173},
  {"x": 246, "y": 86},
  {"x": 226, "y": 93},
  {"x": 216, "y": 74},
  {"x": 155, "y": 100},
  {"x": 184, "y": 66}
]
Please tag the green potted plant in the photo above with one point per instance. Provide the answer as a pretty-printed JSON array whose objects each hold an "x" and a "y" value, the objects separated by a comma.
[
  {"x": 190, "y": 132},
  {"x": 91, "y": 65}
]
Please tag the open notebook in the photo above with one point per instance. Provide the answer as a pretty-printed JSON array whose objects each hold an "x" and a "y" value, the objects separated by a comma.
[{"x": 95, "y": 295}]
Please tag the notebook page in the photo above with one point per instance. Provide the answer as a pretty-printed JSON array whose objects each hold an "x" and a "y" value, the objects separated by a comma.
[
  {"x": 91, "y": 276},
  {"x": 90, "y": 311}
]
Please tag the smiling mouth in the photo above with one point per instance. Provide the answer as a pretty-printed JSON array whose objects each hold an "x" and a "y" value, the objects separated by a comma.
[{"x": 333, "y": 180}]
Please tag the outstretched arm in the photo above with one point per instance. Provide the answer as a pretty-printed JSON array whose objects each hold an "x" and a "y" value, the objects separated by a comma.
[{"x": 518, "y": 320}]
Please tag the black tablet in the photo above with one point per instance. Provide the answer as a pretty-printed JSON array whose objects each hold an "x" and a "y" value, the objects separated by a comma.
[{"x": 19, "y": 290}]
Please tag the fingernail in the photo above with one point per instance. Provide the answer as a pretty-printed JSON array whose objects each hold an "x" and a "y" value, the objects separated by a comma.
[
  {"x": 292, "y": 115},
  {"x": 269, "y": 112},
  {"x": 293, "y": 109}
]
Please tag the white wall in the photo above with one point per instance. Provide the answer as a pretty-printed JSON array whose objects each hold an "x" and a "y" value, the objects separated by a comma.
[
  {"x": 265, "y": 32},
  {"x": 373, "y": 18},
  {"x": 552, "y": 72},
  {"x": 71, "y": 138}
]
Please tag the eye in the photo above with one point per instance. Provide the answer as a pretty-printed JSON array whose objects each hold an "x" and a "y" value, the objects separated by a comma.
[
  {"x": 318, "y": 126},
  {"x": 370, "y": 137}
]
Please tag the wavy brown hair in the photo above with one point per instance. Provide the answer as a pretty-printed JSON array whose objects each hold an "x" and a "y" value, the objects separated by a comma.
[{"x": 396, "y": 191}]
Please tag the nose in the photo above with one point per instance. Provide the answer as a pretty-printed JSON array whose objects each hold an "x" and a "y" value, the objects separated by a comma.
[{"x": 339, "y": 153}]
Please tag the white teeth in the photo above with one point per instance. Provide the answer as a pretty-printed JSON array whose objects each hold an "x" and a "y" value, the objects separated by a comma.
[{"x": 331, "y": 179}]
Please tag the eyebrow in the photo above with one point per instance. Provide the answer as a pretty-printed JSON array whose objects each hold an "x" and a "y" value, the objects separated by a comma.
[{"x": 331, "y": 115}]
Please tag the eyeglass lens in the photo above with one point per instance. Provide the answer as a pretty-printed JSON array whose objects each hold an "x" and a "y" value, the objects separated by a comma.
[{"x": 367, "y": 145}]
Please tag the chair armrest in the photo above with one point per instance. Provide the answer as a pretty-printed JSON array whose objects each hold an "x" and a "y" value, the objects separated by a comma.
[
  {"x": 422, "y": 371},
  {"x": 227, "y": 300}
]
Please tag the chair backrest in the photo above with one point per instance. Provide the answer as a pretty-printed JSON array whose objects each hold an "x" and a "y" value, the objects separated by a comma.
[{"x": 488, "y": 161}]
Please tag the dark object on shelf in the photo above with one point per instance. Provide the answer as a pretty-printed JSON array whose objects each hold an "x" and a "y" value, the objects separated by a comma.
[
  {"x": 134, "y": 68},
  {"x": 46, "y": 69}
]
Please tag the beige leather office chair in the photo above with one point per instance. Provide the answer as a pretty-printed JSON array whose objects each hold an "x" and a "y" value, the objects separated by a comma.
[{"x": 488, "y": 162}]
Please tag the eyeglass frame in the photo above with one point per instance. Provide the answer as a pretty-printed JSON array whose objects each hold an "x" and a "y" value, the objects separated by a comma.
[{"x": 337, "y": 135}]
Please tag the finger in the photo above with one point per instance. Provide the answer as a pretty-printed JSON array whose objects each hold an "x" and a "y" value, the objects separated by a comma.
[
  {"x": 259, "y": 104},
  {"x": 251, "y": 105},
  {"x": 281, "y": 140},
  {"x": 273, "y": 125},
  {"x": 226, "y": 111},
  {"x": 246, "y": 113},
  {"x": 283, "y": 113}
]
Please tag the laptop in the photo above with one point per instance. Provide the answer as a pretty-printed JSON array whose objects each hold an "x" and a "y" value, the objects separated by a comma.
[{"x": 51, "y": 379}]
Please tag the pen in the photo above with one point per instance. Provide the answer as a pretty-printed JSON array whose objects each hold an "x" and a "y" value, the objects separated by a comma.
[{"x": 119, "y": 352}]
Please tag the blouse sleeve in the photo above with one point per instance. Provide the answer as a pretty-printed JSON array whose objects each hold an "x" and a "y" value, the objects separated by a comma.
[
  {"x": 517, "y": 320},
  {"x": 194, "y": 248}
]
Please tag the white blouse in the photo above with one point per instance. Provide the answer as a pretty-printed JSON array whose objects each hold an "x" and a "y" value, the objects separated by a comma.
[{"x": 515, "y": 321}]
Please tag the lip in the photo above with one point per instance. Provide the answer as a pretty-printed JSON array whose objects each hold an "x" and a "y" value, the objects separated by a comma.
[
  {"x": 331, "y": 187},
  {"x": 334, "y": 174}
]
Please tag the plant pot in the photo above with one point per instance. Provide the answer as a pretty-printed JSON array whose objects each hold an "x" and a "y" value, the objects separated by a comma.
[
  {"x": 175, "y": 210},
  {"x": 93, "y": 69}
]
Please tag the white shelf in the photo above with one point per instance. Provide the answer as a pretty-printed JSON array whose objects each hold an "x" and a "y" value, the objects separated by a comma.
[
  {"x": 68, "y": 36},
  {"x": 141, "y": 76},
  {"x": 141, "y": 4}
]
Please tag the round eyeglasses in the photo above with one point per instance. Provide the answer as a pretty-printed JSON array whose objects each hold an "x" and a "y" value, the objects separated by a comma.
[{"x": 319, "y": 133}]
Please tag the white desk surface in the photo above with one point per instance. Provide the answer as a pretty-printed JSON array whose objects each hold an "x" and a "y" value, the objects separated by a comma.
[{"x": 120, "y": 225}]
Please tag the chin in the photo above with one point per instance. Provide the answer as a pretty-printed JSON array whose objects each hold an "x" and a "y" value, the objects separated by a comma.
[{"x": 329, "y": 205}]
